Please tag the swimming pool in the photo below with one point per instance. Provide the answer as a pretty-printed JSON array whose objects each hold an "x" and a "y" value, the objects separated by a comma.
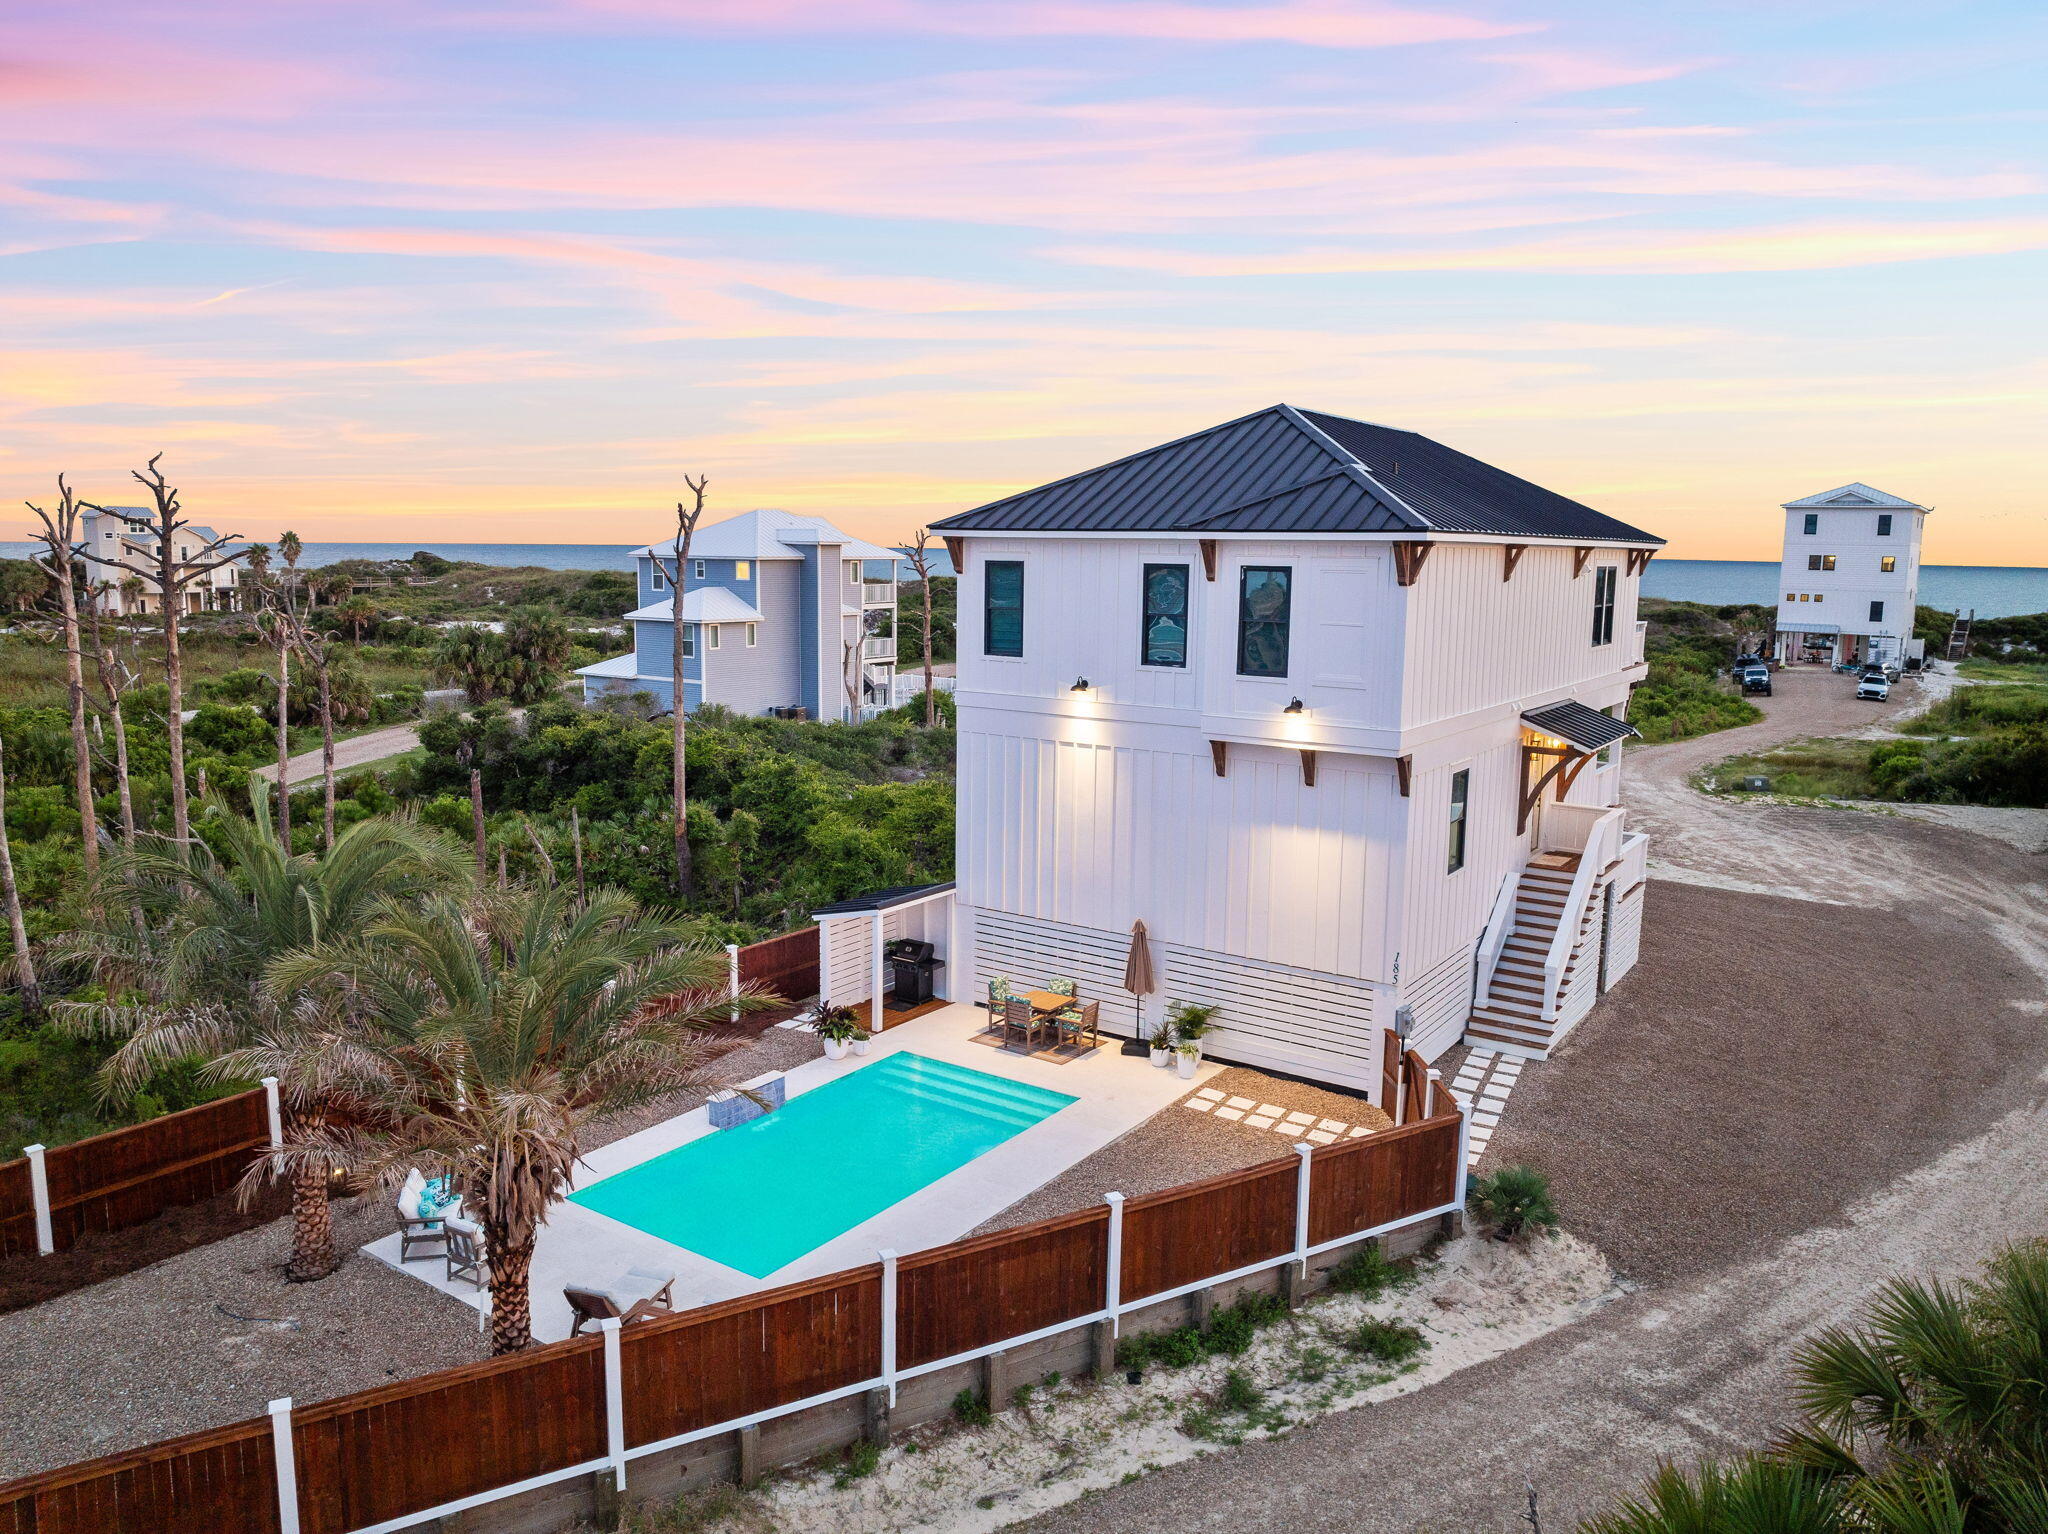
[{"x": 761, "y": 1195}]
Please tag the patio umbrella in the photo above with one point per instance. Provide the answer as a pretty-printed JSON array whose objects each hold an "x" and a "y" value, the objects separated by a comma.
[{"x": 1138, "y": 977}]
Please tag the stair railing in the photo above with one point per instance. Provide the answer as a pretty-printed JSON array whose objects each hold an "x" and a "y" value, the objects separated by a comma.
[
  {"x": 1603, "y": 841},
  {"x": 1499, "y": 927}
]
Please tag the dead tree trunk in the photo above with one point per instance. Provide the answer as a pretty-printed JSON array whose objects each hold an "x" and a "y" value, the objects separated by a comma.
[
  {"x": 687, "y": 516},
  {"x": 10, "y": 896},
  {"x": 921, "y": 563},
  {"x": 59, "y": 538}
]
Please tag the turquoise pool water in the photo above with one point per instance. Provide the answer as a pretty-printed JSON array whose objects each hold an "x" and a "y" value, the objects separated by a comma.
[{"x": 761, "y": 1195}]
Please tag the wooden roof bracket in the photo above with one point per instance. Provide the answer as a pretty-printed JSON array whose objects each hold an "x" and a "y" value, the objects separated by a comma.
[
  {"x": 1571, "y": 761},
  {"x": 1219, "y": 753},
  {"x": 1579, "y": 557},
  {"x": 1639, "y": 560},
  {"x": 1208, "y": 557},
  {"x": 1404, "y": 772},
  {"x": 956, "y": 550},
  {"x": 1408, "y": 561},
  {"x": 1308, "y": 768},
  {"x": 1511, "y": 556}
]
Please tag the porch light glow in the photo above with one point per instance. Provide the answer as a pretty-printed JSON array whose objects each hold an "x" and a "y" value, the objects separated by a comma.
[
  {"x": 1080, "y": 684},
  {"x": 1295, "y": 707}
]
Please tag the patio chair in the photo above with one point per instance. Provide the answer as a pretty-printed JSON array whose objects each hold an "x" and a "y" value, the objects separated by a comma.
[
  {"x": 467, "y": 1256},
  {"x": 1078, "y": 1023},
  {"x": 998, "y": 993},
  {"x": 1062, "y": 985},
  {"x": 421, "y": 1214},
  {"x": 616, "y": 1301},
  {"x": 1020, "y": 1022}
]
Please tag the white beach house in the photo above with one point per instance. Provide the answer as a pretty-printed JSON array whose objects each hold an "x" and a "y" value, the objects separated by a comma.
[
  {"x": 1333, "y": 708},
  {"x": 1851, "y": 578}
]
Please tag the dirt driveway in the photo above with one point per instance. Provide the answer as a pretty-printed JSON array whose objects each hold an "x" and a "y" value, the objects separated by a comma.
[{"x": 1827, "y": 1069}]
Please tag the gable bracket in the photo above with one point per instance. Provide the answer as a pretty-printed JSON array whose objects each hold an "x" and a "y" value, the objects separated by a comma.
[
  {"x": 1571, "y": 761},
  {"x": 1208, "y": 557},
  {"x": 1219, "y": 753},
  {"x": 1639, "y": 560},
  {"x": 1511, "y": 555},
  {"x": 1408, "y": 561},
  {"x": 1404, "y": 772},
  {"x": 1308, "y": 768},
  {"x": 1579, "y": 557},
  {"x": 956, "y": 550}
]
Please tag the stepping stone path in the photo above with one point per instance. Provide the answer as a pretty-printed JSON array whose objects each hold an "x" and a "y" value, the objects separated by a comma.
[
  {"x": 1295, "y": 1124},
  {"x": 1482, "y": 1088}
]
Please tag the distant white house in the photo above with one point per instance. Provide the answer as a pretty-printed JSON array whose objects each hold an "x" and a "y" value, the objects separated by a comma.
[
  {"x": 780, "y": 612},
  {"x": 122, "y": 533},
  {"x": 1850, "y": 579},
  {"x": 1333, "y": 708}
]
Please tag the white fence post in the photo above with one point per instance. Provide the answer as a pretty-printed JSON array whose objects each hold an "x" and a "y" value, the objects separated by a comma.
[
  {"x": 732, "y": 978},
  {"x": 1304, "y": 1150},
  {"x": 889, "y": 1321},
  {"x": 287, "y": 1465},
  {"x": 39, "y": 1191},
  {"x": 875, "y": 995},
  {"x": 614, "y": 1402},
  {"x": 276, "y": 1111},
  {"x": 1113, "y": 1298},
  {"x": 1465, "y": 1146},
  {"x": 1429, "y": 1099}
]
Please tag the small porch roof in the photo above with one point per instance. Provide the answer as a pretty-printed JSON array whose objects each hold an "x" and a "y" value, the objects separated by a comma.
[
  {"x": 1795, "y": 626},
  {"x": 883, "y": 900},
  {"x": 1586, "y": 728}
]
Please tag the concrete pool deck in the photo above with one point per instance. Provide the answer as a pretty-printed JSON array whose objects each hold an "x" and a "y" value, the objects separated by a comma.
[{"x": 1114, "y": 1094}]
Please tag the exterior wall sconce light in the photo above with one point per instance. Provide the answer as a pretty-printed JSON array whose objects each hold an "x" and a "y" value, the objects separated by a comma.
[
  {"x": 1296, "y": 706},
  {"x": 1080, "y": 684}
]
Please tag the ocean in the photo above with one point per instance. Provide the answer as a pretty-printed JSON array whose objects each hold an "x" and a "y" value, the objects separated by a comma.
[{"x": 1995, "y": 591}]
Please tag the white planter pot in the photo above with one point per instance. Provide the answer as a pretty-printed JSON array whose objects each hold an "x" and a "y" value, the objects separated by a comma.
[
  {"x": 835, "y": 1049},
  {"x": 863, "y": 1044},
  {"x": 1161, "y": 1057},
  {"x": 1186, "y": 1064}
]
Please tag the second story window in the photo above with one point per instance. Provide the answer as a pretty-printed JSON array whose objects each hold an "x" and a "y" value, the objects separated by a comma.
[
  {"x": 696, "y": 569},
  {"x": 1877, "y": 612},
  {"x": 1605, "y": 579},
  {"x": 689, "y": 641},
  {"x": 1820, "y": 561},
  {"x": 1889, "y": 564},
  {"x": 753, "y": 635},
  {"x": 853, "y": 572},
  {"x": 660, "y": 579},
  {"x": 1163, "y": 634},
  {"x": 710, "y": 636},
  {"x": 742, "y": 569},
  {"x": 1264, "y": 614},
  {"x": 1002, "y": 607},
  {"x": 1812, "y": 523},
  {"x": 1461, "y": 787},
  {"x": 1884, "y": 524}
]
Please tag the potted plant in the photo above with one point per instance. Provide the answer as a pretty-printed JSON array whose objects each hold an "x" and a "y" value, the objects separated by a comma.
[
  {"x": 1186, "y": 1023},
  {"x": 839, "y": 1028},
  {"x": 1162, "y": 1046}
]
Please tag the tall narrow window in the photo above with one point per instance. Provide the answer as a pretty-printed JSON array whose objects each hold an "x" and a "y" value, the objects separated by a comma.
[
  {"x": 710, "y": 636},
  {"x": 742, "y": 570},
  {"x": 689, "y": 641},
  {"x": 753, "y": 635},
  {"x": 1461, "y": 783},
  {"x": 1813, "y": 561},
  {"x": 696, "y": 569},
  {"x": 1002, "y": 607},
  {"x": 660, "y": 579},
  {"x": 1877, "y": 612},
  {"x": 1827, "y": 561},
  {"x": 1163, "y": 635},
  {"x": 1884, "y": 524},
  {"x": 1264, "y": 611},
  {"x": 1605, "y": 579},
  {"x": 1889, "y": 564},
  {"x": 1812, "y": 523}
]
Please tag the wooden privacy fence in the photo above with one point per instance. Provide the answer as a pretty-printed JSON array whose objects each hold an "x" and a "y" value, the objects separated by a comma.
[
  {"x": 50, "y": 1198},
  {"x": 786, "y": 965},
  {"x": 387, "y": 1458}
]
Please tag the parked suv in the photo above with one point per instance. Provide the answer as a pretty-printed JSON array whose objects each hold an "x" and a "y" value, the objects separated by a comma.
[
  {"x": 1874, "y": 684},
  {"x": 1754, "y": 679}
]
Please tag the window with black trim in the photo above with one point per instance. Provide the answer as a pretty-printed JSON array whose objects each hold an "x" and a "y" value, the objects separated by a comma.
[
  {"x": 1002, "y": 607},
  {"x": 1884, "y": 524},
  {"x": 1877, "y": 612},
  {"x": 1163, "y": 628},
  {"x": 1606, "y": 578},
  {"x": 1812, "y": 523},
  {"x": 1461, "y": 783},
  {"x": 1264, "y": 612}
]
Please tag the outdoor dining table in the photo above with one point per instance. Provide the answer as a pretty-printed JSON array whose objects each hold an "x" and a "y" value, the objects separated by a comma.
[{"x": 1045, "y": 1006}]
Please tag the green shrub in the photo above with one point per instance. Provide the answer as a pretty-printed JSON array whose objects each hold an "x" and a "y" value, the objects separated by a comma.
[
  {"x": 1239, "y": 1393},
  {"x": 1513, "y": 1200},
  {"x": 1387, "y": 1342},
  {"x": 859, "y": 1461},
  {"x": 970, "y": 1409},
  {"x": 1229, "y": 1332},
  {"x": 1368, "y": 1274}
]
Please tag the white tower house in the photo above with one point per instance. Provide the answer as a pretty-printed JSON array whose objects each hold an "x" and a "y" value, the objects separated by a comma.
[{"x": 1850, "y": 579}]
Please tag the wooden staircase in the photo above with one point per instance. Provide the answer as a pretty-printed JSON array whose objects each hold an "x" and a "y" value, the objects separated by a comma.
[{"x": 1510, "y": 1015}]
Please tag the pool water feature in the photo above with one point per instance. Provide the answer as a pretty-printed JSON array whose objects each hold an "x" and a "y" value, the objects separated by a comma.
[{"x": 761, "y": 1195}]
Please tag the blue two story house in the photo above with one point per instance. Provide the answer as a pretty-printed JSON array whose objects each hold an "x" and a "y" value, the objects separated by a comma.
[{"x": 780, "y": 612}]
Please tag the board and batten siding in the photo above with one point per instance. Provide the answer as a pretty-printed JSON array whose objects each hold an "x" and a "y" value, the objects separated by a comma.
[
  {"x": 1273, "y": 1016},
  {"x": 1474, "y": 640},
  {"x": 1254, "y": 863}
]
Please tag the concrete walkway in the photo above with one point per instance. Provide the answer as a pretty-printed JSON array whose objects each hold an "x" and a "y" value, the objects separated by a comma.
[
  {"x": 356, "y": 751},
  {"x": 1826, "y": 1071}
]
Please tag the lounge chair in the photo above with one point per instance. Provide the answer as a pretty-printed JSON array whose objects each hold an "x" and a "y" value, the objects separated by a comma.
[
  {"x": 467, "y": 1255},
  {"x": 618, "y": 1300}
]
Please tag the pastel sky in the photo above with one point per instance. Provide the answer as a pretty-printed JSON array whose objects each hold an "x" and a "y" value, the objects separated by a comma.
[{"x": 503, "y": 271}]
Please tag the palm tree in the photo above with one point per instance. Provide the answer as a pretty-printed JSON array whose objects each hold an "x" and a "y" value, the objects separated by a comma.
[
  {"x": 193, "y": 970},
  {"x": 492, "y": 1031},
  {"x": 473, "y": 657},
  {"x": 1931, "y": 1418}
]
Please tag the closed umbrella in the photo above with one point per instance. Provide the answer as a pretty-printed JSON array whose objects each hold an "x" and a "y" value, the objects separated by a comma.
[{"x": 1138, "y": 977}]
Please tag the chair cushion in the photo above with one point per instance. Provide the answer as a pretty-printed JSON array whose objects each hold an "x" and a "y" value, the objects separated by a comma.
[
  {"x": 999, "y": 988},
  {"x": 1061, "y": 985},
  {"x": 409, "y": 1193}
]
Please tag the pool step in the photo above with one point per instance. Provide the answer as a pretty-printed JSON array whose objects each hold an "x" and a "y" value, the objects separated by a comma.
[{"x": 1008, "y": 1102}]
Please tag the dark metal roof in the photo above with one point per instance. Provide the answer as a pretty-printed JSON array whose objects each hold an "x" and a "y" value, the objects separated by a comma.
[
  {"x": 1586, "y": 728},
  {"x": 1284, "y": 470},
  {"x": 882, "y": 900}
]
